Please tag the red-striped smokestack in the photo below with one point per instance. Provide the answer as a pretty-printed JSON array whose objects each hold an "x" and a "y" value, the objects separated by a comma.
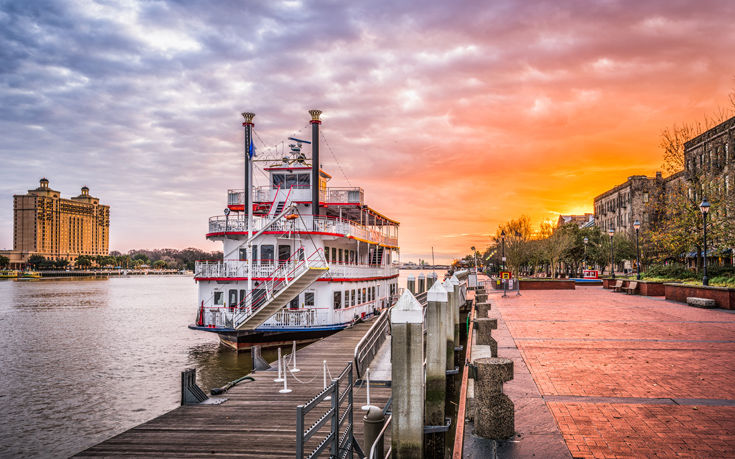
[{"x": 315, "y": 122}]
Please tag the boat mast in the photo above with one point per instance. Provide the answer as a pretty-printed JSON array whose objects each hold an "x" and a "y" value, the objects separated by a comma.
[{"x": 247, "y": 195}]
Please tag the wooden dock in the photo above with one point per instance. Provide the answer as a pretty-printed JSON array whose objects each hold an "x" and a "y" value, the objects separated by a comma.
[{"x": 256, "y": 420}]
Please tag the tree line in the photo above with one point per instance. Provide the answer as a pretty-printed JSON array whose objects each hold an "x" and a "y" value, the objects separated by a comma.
[{"x": 136, "y": 258}]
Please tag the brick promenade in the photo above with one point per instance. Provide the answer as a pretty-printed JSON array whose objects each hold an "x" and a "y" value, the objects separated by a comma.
[{"x": 628, "y": 375}]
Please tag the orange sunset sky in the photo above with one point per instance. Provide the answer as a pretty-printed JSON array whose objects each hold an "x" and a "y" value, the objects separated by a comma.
[{"x": 453, "y": 116}]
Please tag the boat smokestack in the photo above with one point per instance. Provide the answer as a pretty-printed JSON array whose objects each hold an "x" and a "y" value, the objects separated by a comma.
[
  {"x": 315, "y": 122},
  {"x": 248, "y": 125}
]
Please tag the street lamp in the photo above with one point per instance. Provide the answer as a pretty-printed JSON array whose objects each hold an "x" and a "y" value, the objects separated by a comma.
[
  {"x": 584, "y": 265},
  {"x": 611, "y": 232},
  {"x": 227, "y": 220},
  {"x": 704, "y": 207},
  {"x": 637, "y": 226},
  {"x": 502, "y": 238}
]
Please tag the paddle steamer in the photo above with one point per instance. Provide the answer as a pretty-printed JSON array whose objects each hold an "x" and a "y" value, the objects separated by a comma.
[{"x": 301, "y": 259}]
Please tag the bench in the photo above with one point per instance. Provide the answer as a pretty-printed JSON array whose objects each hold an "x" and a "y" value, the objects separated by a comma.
[
  {"x": 630, "y": 289},
  {"x": 618, "y": 287},
  {"x": 701, "y": 302}
]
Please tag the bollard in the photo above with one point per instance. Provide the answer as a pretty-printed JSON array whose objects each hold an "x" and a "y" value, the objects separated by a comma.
[
  {"x": 422, "y": 283},
  {"x": 285, "y": 389},
  {"x": 449, "y": 325},
  {"x": 293, "y": 354},
  {"x": 407, "y": 357},
  {"x": 280, "y": 376},
  {"x": 494, "y": 412},
  {"x": 373, "y": 423},
  {"x": 483, "y": 309},
  {"x": 480, "y": 297},
  {"x": 411, "y": 284},
  {"x": 485, "y": 326}
]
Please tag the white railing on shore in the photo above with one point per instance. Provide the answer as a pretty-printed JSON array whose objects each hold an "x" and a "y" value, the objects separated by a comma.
[{"x": 221, "y": 224}]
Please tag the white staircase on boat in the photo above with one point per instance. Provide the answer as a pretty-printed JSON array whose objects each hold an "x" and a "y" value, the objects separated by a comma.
[{"x": 284, "y": 284}]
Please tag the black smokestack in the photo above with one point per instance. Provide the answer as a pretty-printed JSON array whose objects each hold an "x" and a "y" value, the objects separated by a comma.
[{"x": 315, "y": 122}]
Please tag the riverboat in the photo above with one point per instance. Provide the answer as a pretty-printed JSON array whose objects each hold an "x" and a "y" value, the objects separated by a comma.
[
  {"x": 8, "y": 274},
  {"x": 301, "y": 259},
  {"x": 29, "y": 275}
]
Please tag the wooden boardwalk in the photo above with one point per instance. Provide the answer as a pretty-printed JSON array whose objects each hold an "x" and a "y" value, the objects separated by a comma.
[{"x": 256, "y": 420}]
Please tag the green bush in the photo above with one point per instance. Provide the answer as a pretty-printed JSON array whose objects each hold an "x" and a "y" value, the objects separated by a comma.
[
  {"x": 724, "y": 270},
  {"x": 670, "y": 271}
]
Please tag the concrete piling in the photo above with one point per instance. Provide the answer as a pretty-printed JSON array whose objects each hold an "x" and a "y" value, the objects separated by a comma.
[
  {"x": 449, "y": 324},
  {"x": 495, "y": 412},
  {"x": 485, "y": 326},
  {"x": 458, "y": 302},
  {"x": 407, "y": 356},
  {"x": 480, "y": 296},
  {"x": 436, "y": 377},
  {"x": 422, "y": 283},
  {"x": 411, "y": 284},
  {"x": 430, "y": 280}
]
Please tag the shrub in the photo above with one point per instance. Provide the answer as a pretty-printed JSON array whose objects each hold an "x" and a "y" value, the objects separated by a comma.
[{"x": 671, "y": 271}]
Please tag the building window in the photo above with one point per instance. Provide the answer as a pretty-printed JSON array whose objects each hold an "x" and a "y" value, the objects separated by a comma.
[
  {"x": 645, "y": 197},
  {"x": 337, "y": 300}
]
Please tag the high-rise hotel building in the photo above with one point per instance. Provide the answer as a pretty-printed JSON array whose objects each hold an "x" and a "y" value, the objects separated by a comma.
[{"x": 54, "y": 227}]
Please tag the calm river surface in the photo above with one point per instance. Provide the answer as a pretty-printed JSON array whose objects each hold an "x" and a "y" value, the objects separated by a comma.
[{"x": 82, "y": 359}]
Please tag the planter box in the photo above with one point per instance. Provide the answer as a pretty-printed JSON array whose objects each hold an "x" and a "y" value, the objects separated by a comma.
[
  {"x": 724, "y": 297},
  {"x": 646, "y": 288},
  {"x": 531, "y": 284}
]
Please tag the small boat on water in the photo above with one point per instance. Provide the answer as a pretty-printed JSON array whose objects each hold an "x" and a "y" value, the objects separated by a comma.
[
  {"x": 29, "y": 275},
  {"x": 8, "y": 274},
  {"x": 301, "y": 260}
]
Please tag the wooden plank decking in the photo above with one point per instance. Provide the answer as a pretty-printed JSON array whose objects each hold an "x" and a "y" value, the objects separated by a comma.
[{"x": 256, "y": 420}]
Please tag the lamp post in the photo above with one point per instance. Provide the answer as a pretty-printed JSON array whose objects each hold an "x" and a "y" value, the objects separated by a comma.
[
  {"x": 611, "y": 232},
  {"x": 704, "y": 207},
  {"x": 502, "y": 259},
  {"x": 637, "y": 226},
  {"x": 584, "y": 265},
  {"x": 227, "y": 220}
]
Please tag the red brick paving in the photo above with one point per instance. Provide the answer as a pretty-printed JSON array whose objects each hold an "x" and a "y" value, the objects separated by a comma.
[{"x": 594, "y": 343}]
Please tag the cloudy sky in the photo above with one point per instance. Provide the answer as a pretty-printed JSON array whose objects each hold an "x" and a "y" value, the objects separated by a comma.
[{"x": 453, "y": 116}]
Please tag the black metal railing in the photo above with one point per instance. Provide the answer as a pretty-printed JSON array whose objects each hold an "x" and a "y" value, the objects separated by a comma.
[{"x": 341, "y": 401}]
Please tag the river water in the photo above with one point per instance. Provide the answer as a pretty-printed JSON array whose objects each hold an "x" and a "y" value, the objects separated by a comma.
[{"x": 84, "y": 359}]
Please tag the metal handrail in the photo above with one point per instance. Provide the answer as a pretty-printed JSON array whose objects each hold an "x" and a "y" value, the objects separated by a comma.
[
  {"x": 371, "y": 342},
  {"x": 379, "y": 437}
]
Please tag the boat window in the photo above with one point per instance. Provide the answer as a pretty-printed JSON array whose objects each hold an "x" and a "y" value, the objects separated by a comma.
[
  {"x": 232, "y": 298},
  {"x": 291, "y": 181},
  {"x": 326, "y": 254},
  {"x": 303, "y": 180},
  {"x": 284, "y": 253},
  {"x": 309, "y": 299},
  {"x": 359, "y": 296},
  {"x": 347, "y": 298},
  {"x": 266, "y": 254},
  {"x": 340, "y": 256},
  {"x": 334, "y": 255},
  {"x": 244, "y": 253},
  {"x": 337, "y": 300},
  {"x": 242, "y": 298},
  {"x": 278, "y": 180},
  {"x": 352, "y": 256},
  {"x": 364, "y": 295},
  {"x": 353, "y": 297},
  {"x": 259, "y": 297},
  {"x": 294, "y": 303},
  {"x": 373, "y": 295},
  {"x": 218, "y": 298}
]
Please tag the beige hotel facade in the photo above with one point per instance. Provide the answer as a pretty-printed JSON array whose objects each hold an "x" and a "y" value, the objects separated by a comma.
[{"x": 46, "y": 224}]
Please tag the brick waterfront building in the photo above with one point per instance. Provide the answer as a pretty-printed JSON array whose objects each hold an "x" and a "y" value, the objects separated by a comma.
[{"x": 46, "y": 224}]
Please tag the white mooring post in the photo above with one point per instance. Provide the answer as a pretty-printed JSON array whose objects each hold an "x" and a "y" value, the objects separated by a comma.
[
  {"x": 367, "y": 379},
  {"x": 407, "y": 356},
  {"x": 455, "y": 308},
  {"x": 324, "y": 372},
  {"x": 280, "y": 376},
  {"x": 285, "y": 389},
  {"x": 293, "y": 354}
]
